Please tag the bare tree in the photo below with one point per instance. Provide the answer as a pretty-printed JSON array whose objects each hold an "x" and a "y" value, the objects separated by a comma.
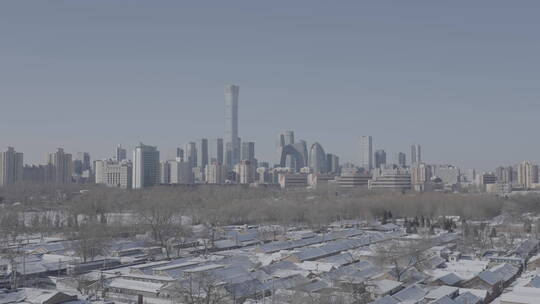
[{"x": 402, "y": 256}]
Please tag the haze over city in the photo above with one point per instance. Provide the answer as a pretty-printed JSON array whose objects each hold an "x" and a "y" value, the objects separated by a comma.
[{"x": 457, "y": 77}]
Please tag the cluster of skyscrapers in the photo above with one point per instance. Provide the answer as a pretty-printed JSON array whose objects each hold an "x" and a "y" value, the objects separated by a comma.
[{"x": 229, "y": 160}]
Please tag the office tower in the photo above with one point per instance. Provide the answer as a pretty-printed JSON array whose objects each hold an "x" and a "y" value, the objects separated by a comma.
[
  {"x": 332, "y": 163},
  {"x": 165, "y": 173},
  {"x": 317, "y": 159},
  {"x": 181, "y": 172},
  {"x": 180, "y": 153},
  {"x": 248, "y": 152},
  {"x": 366, "y": 152},
  {"x": 11, "y": 167},
  {"x": 527, "y": 174},
  {"x": 114, "y": 174},
  {"x": 202, "y": 153},
  {"x": 82, "y": 165},
  {"x": 145, "y": 166},
  {"x": 245, "y": 172},
  {"x": 380, "y": 159},
  {"x": 215, "y": 150},
  {"x": 287, "y": 138},
  {"x": 121, "y": 154},
  {"x": 401, "y": 159},
  {"x": 60, "y": 167},
  {"x": 215, "y": 174},
  {"x": 416, "y": 154},
  {"x": 232, "y": 141},
  {"x": 190, "y": 154}
]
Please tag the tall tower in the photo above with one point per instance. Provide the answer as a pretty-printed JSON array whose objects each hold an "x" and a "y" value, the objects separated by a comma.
[
  {"x": 202, "y": 153},
  {"x": 11, "y": 167},
  {"x": 60, "y": 165},
  {"x": 145, "y": 166},
  {"x": 416, "y": 154},
  {"x": 366, "y": 152},
  {"x": 121, "y": 153},
  {"x": 232, "y": 142}
]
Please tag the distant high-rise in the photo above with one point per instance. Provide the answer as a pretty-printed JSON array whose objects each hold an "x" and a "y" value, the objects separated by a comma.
[
  {"x": 317, "y": 158},
  {"x": 145, "y": 166},
  {"x": 11, "y": 167},
  {"x": 246, "y": 174},
  {"x": 332, "y": 163},
  {"x": 165, "y": 173},
  {"x": 504, "y": 175},
  {"x": 181, "y": 172},
  {"x": 232, "y": 141},
  {"x": 401, "y": 159},
  {"x": 527, "y": 174},
  {"x": 180, "y": 153},
  {"x": 215, "y": 150},
  {"x": 60, "y": 166},
  {"x": 202, "y": 153},
  {"x": 190, "y": 154},
  {"x": 380, "y": 159},
  {"x": 248, "y": 152},
  {"x": 215, "y": 173},
  {"x": 121, "y": 154},
  {"x": 416, "y": 154},
  {"x": 366, "y": 152},
  {"x": 82, "y": 163}
]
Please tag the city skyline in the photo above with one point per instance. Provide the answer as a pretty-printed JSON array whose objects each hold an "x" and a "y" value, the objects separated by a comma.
[{"x": 443, "y": 75}]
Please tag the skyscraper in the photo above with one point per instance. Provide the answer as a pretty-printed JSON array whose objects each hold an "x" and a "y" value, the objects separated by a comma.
[
  {"x": 527, "y": 174},
  {"x": 332, "y": 163},
  {"x": 11, "y": 167},
  {"x": 190, "y": 154},
  {"x": 366, "y": 152},
  {"x": 248, "y": 152},
  {"x": 60, "y": 166},
  {"x": 401, "y": 159},
  {"x": 416, "y": 154},
  {"x": 317, "y": 158},
  {"x": 202, "y": 153},
  {"x": 215, "y": 151},
  {"x": 145, "y": 166},
  {"x": 121, "y": 153},
  {"x": 232, "y": 141},
  {"x": 380, "y": 159}
]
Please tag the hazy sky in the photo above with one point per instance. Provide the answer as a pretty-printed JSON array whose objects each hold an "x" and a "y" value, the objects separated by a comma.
[{"x": 459, "y": 77}]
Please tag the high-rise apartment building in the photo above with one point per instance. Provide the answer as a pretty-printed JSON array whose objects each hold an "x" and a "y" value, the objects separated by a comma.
[
  {"x": 216, "y": 174},
  {"x": 505, "y": 175},
  {"x": 145, "y": 166},
  {"x": 121, "y": 154},
  {"x": 366, "y": 152},
  {"x": 232, "y": 141},
  {"x": 11, "y": 167},
  {"x": 215, "y": 151},
  {"x": 202, "y": 153},
  {"x": 527, "y": 174},
  {"x": 60, "y": 167},
  {"x": 246, "y": 172}
]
